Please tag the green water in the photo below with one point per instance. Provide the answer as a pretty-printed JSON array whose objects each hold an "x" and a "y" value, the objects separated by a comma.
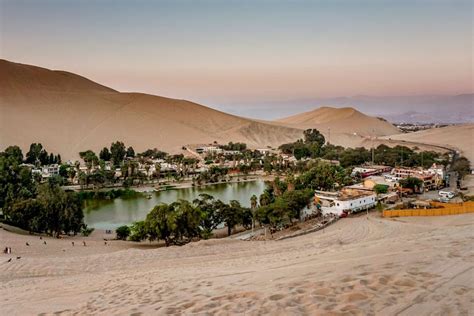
[{"x": 111, "y": 214}]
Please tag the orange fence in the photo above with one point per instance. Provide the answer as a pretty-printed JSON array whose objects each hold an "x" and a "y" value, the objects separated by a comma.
[{"x": 442, "y": 209}]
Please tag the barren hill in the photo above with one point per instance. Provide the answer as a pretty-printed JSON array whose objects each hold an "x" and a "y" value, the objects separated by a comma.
[
  {"x": 68, "y": 113},
  {"x": 341, "y": 120},
  {"x": 459, "y": 137}
]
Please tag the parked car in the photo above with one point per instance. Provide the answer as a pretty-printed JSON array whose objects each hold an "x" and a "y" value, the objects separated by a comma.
[{"x": 446, "y": 194}]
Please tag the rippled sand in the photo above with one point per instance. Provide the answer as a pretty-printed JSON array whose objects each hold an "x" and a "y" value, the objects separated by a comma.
[{"x": 405, "y": 266}]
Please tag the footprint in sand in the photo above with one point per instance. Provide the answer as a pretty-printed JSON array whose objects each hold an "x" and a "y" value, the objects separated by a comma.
[
  {"x": 405, "y": 282},
  {"x": 276, "y": 297}
]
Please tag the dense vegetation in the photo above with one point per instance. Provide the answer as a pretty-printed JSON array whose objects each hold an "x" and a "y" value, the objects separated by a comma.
[
  {"x": 38, "y": 156},
  {"x": 43, "y": 208},
  {"x": 280, "y": 205},
  {"x": 313, "y": 146},
  {"x": 182, "y": 221},
  {"x": 411, "y": 183},
  {"x": 234, "y": 146}
]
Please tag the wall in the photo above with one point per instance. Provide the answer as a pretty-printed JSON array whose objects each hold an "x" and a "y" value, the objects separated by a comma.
[{"x": 445, "y": 209}]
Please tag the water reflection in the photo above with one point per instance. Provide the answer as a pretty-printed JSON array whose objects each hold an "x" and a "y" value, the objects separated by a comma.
[{"x": 110, "y": 214}]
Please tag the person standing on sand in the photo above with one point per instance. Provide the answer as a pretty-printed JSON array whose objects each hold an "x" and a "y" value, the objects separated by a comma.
[
  {"x": 84, "y": 243},
  {"x": 72, "y": 243}
]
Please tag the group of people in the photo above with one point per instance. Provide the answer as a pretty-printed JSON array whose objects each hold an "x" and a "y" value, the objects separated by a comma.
[{"x": 8, "y": 250}]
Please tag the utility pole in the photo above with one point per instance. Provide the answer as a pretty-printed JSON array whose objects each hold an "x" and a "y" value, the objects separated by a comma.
[{"x": 373, "y": 150}]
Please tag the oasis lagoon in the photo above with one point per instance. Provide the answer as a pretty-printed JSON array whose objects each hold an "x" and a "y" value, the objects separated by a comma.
[{"x": 110, "y": 214}]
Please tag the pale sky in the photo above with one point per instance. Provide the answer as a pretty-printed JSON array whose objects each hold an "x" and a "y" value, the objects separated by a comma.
[{"x": 225, "y": 52}]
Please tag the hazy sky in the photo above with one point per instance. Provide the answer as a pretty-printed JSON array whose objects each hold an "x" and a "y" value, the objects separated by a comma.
[{"x": 225, "y": 52}]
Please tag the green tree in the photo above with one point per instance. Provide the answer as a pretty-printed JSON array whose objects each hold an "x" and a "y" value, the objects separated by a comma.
[
  {"x": 122, "y": 232},
  {"x": 380, "y": 188},
  {"x": 461, "y": 166},
  {"x": 16, "y": 181},
  {"x": 62, "y": 211},
  {"x": 90, "y": 159},
  {"x": 160, "y": 223},
  {"x": 105, "y": 154},
  {"x": 32, "y": 156},
  {"x": 130, "y": 152},
  {"x": 211, "y": 214},
  {"x": 314, "y": 136},
  {"x": 138, "y": 231},
  {"x": 411, "y": 183},
  {"x": 117, "y": 152},
  {"x": 14, "y": 153}
]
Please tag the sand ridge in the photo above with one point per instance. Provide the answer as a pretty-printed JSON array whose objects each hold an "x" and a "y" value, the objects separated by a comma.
[
  {"x": 68, "y": 114},
  {"x": 458, "y": 137},
  {"x": 357, "y": 266},
  {"x": 340, "y": 121}
]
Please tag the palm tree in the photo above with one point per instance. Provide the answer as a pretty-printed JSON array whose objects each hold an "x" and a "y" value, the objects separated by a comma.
[{"x": 253, "y": 207}]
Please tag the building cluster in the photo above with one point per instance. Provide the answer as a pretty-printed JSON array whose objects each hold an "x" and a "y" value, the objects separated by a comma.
[{"x": 363, "y": 195}]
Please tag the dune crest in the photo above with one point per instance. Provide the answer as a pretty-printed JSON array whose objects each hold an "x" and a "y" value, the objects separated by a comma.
[
  {"x": 341, "y": 121},
  {"x": 68, "y": 113}
]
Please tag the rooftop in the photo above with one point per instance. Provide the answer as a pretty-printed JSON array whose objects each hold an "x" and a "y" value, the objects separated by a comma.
[{"x": 343, "y": 195}]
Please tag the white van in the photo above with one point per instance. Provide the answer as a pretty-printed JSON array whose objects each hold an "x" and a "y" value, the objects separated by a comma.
[{"x": 446, "y": 194}]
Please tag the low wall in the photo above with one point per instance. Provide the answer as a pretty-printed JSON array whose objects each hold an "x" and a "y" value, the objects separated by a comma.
[{"x": 442, "y": 209}]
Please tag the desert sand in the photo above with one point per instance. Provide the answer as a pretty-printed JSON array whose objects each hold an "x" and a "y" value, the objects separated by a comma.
[
  {"x": 341, "y": 121},
  {"x": 342, "y": 126},
  {"x": 374, "y": 266},
  {"x": 457, "y": 137},
  {"x": 68, "y": 114}
]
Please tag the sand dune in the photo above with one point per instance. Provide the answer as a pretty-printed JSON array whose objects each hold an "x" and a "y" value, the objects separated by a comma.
[
  {"x": 68, "y": 113},
  {"x": 404, "y": 266},
  {"x": 458, "y": 137},
  {"x": 341, "y": 121}
]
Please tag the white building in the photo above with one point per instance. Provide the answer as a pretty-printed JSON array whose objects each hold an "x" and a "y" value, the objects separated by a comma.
[
  {"x": 345, "y": 201},
  {"x": 209, "y": 149},
  {"x": 438, "y": 169}
]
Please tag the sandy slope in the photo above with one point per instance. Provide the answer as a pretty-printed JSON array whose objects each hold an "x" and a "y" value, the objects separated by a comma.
[
  {"x": 68, "y": 113},
  {"x": 341, "y": 120},
  {"x": 459, "y": 137},
  {"x": 405, "y": 266}
]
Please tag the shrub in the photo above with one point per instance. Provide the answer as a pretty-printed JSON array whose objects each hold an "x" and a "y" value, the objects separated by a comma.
[
  {"x": 86, "y": 231},
  {"x": 123, "y": 232}
]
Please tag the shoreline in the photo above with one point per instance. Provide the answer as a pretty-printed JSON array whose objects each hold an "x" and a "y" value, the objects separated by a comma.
[{"x": 185, "y": 184}]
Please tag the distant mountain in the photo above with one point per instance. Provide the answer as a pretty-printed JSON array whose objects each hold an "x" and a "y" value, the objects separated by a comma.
[
  {"x": 68, "y": 113},
  {"x": 458, "y": 115},
  {"x": 436, "y": 108}
]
